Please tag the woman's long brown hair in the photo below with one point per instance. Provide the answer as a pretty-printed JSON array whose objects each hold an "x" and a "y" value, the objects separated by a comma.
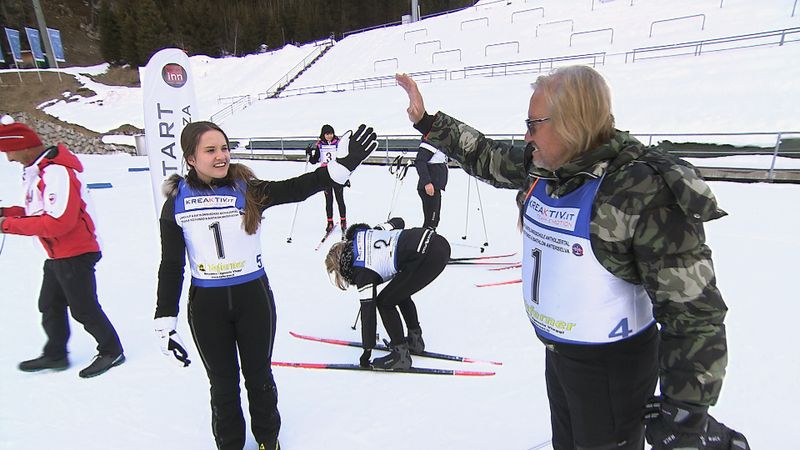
[{"x": 190, "y": 138}]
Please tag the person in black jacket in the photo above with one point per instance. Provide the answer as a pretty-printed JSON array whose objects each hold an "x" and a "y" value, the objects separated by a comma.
[
  {"x": 411, "y": 259},
  {"x": 213, "y": 214},
  {"x": 431, "y": 165}
]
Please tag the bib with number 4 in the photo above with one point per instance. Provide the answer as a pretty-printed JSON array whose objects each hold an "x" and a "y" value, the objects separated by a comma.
[{"x": 569, "y": 296}]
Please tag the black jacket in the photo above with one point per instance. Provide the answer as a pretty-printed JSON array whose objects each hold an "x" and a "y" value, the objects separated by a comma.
[{"x": 429, "y": 173}]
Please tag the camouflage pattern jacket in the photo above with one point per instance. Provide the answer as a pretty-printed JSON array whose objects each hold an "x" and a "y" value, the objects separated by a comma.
[{"x": 646, "y": 228}]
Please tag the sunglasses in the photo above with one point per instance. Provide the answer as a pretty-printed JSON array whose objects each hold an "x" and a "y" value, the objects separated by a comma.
[{"x": 531, "y": 124}]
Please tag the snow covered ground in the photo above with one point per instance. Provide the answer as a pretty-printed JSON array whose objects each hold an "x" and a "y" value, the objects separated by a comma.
[{"x": 151, "y": 403}]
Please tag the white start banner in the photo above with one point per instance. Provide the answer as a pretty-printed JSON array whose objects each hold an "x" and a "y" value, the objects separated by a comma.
[{"x": 169, "y": 104}]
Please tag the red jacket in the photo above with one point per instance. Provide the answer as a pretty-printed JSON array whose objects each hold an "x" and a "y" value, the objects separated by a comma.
[{"x": 57, "y": 206}]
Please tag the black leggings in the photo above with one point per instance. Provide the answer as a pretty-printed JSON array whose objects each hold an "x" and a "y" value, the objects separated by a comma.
[
  {"x": 229, "y": 325},
  {"x": 414, "y": 276},
  {"x": 70, "y": 282},
  {"x": 431, "y": 207},
  {"x": 330, "y": 191}
]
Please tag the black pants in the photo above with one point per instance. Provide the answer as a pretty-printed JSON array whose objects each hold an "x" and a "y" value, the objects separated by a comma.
[
  {"x": 431, "y": 207},
  {"x": 229, "y": 325},
  {"x": 597, "y": 396},
  {"x": 411, "y": 279},
  {"x": 70, "y": 282},
  {"x": 330, "y": 191}
]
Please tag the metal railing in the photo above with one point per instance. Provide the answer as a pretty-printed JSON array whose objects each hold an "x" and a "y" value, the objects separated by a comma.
[
  {"x": 541, "y": 8},
  {"x": 474, "y": 20},
  {"x": 444, "y": 52},
  {"x": 530, "y": 66},
  {"x": 579, "y": 33},
  {"x": 319, "y": 48},
  {"x": 365, "y": 83},
  {"x": 557, "y": 22},
  {"x": 435, "y": 41},
  {"x": 777, "y": 37},
  {"x": 673, "y": 19},
  {"x": 708, "y": 145},
  {"x": 241, "y": 102},
  {"x": 415, "y": 31},
  {"x": 765, "y": 38},
  {"x": 749, "y": 143},
  {"x": 500, "y": 44}
]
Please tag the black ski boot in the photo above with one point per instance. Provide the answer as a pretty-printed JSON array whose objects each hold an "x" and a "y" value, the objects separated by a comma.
[
  {"x": 329, "y": 226},
  {"x": 101, "y": 364},
  {"x": 44, "y": 362},
  {"x": 276, "y": 446},
  {"x": 399, "y": 358},
  {"x": 416, "y": 345}
]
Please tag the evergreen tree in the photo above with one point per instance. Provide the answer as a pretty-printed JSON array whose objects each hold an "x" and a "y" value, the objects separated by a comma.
[
  {"x": 151, "y": 29},
  {"x": 110, "y": 36},
  {"x": 128, "y": 45}
]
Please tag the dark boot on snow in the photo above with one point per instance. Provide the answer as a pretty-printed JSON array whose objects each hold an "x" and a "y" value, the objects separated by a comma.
[
  {"x": 398, "y": 359},
  {"x": 101, "y": 364},
  {"x": 416, "y": 345},
  {"x": 44, "y": 362}
]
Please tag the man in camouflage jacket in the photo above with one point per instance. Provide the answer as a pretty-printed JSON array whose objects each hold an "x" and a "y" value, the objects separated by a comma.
[{"x": 646, "y": 228}]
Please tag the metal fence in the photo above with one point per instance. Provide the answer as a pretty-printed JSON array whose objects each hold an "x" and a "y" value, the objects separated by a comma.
[{"x": 785, "y": 144}]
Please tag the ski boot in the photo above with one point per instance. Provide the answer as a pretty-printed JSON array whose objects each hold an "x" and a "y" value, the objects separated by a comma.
[
  {"x": 343, "y": 223},
  {"x": 329, "y": 226},
  {"x": 398, "y": 359},
  {"x": 416, "y": 345}
]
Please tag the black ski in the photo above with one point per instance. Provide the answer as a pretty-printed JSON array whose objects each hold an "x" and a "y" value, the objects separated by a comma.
[
  {"x": 478, "y": 258},
  {"x": 415, "y": 370},
  {"x": 384, "y": 348}
]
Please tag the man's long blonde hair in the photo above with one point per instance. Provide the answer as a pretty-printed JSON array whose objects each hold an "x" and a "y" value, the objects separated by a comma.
[{"x": 579, "y": 101}]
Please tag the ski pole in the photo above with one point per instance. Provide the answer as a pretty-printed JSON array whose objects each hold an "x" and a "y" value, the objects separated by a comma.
[
  {"x": 466, "y": 219},
  {"x": 483, "y": 217},
  {"x": 356, "y": 322},
  {"x": 296, "y": 208},
  {"x": 399, "y": 171}
]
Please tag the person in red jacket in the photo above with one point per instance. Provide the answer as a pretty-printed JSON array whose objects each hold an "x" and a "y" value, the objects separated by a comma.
[{"x": 57, "y": 211}]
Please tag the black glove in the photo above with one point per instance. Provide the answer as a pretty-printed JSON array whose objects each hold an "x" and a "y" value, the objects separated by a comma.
[
  {"x": 309, "y": 152},
  {"x": 364, "y": 360},
  {"x": 360, "y": 145},
  {"x": 671, "y": 424}
]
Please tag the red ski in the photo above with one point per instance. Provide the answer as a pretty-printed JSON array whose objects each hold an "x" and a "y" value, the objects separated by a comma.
[
  {"x": 324, "y": 238},
  {"x": 512, "y": 266},
  {"x": 384, "y": 348},
  {"x": 500, "y": 283},
  {"x": 416, "y": 370}
]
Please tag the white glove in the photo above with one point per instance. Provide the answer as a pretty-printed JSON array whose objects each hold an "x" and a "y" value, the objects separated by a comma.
[{"x": 171, "y": 343}]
